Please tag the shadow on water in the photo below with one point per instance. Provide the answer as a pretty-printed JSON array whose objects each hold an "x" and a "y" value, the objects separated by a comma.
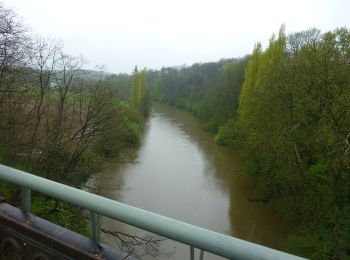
[{"x": 180, "y": 172}]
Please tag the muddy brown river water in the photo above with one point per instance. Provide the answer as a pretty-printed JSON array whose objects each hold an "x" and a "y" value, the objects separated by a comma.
[{"x": 180, "y": 172}]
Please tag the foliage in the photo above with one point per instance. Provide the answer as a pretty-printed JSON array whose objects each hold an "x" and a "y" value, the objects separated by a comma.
[
  {"x": 225, "y": 135},
  {"x": 208, "y": 90},
  {"x": 58, "y": 120},
  {"x": 61, "y": 213},
  {"x": 293, "y": 133},
  {"x": 139, "y": 97}
]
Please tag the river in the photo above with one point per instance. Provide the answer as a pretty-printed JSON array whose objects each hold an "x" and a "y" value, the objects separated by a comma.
[{"x": 180, "y": 172}]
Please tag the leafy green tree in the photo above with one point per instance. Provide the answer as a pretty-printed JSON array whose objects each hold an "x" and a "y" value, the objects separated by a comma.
[
  {"x": 140, "y": 97},
  {"x": 293, "y": 130},
  {"x": 208, "y": 90}
]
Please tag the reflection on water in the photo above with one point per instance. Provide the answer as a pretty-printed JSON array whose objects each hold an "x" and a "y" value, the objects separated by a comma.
[{"x": 181, "y": 173}]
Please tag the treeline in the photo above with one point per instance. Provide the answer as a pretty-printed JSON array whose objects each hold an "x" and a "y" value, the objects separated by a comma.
[
  {"x": 287, "y": 113},
  {"x": 209, "y": 90},
  {"x": 293, "y": 132},
  {"x": 56, "y": 119}
]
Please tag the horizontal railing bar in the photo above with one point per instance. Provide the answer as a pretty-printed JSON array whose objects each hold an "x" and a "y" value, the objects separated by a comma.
[{"x": 201, "y": 238}]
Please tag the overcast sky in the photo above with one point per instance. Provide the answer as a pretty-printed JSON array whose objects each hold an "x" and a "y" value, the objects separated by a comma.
[{"x": 153, "y": 34}]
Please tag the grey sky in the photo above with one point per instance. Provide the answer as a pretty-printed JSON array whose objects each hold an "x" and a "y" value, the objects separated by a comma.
[{"x": 156, "y": 33}]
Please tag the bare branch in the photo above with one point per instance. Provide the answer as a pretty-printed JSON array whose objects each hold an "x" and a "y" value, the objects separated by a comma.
[{"x": 128, "y": 243}]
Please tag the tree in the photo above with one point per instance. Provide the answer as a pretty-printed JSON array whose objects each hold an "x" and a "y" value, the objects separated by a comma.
[
  {"x": 140, "y": 97},
  {"x": 14, "y": 50},
  {"x": 292, "y": 130}
]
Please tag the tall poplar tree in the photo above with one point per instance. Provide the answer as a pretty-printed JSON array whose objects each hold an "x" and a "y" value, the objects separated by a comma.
[{"x": 140, "y": 98}]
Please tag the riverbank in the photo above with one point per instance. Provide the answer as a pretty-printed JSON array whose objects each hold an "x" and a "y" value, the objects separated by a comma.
[{"x": 122, "y": 131}]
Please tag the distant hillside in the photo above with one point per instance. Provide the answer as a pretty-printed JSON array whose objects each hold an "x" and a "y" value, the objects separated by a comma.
[{"x": 93, "y": 74}]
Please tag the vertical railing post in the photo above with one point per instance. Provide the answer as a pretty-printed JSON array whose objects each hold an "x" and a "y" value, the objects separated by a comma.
[
  {"x": 192, "y": 253},
  {"x": 26, "y": 200},
  {"x": 95, "y": 220}
]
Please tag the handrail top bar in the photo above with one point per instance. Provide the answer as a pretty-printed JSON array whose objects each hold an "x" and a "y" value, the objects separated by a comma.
[{"x": 207, "y": 240}]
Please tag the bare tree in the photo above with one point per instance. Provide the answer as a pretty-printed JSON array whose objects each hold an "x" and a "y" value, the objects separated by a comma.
[
  {"x": 43, "y": 70},
  {"x": 14, "y": 49}
]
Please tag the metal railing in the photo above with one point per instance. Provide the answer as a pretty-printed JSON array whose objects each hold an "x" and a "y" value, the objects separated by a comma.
[{"x": 195, "y": 237}]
